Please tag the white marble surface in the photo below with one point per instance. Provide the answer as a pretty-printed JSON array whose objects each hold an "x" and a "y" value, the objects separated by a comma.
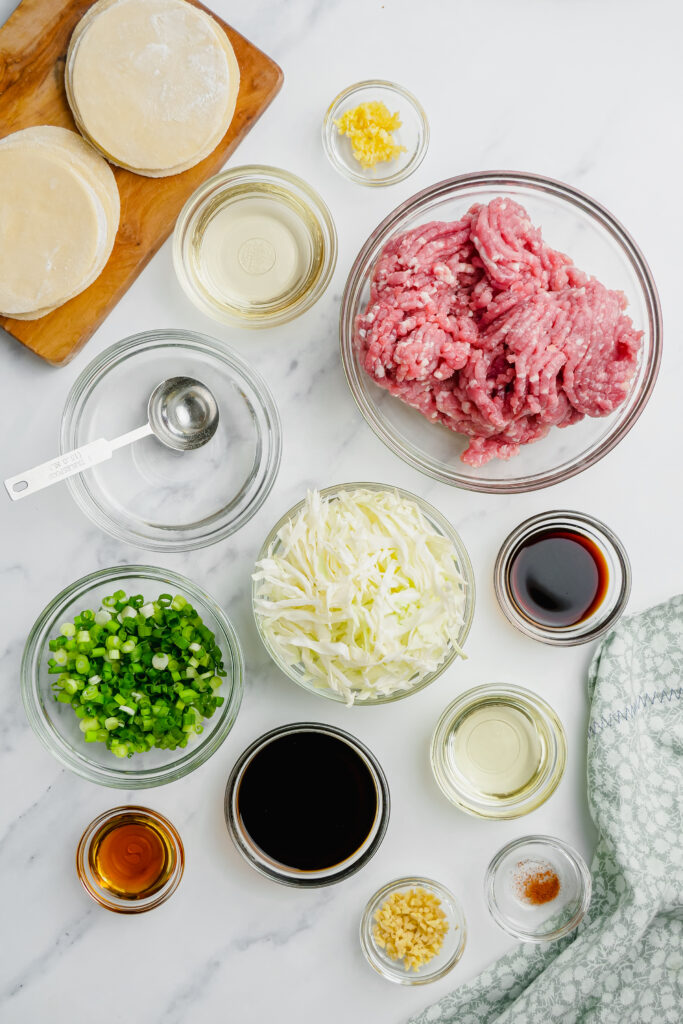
[{"x": 583, "y": 90}]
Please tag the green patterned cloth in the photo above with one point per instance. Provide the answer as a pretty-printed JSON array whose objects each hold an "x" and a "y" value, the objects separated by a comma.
[{"x": 624, "y": 964}]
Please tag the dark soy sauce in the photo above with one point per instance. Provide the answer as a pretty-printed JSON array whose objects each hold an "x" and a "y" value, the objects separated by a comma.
[
  {"x": 558, "y": 578},
  {"x": 308, "y": 800}
]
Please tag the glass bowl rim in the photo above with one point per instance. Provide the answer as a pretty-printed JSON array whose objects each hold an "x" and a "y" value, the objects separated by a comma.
[
  {"x": 571, "y": 636},
  {"x": 267, "y": 868},
  {"x": 367, "y": 940},
  {"x": 416, "y": 157},
  {"x": 557, "y": 756},
  {"x": 444, "y": 526},
  {"x": 253, "y": 173},
  {"x": 449, "y": 188},
  {"x": 583, "y": 874},
  {"x": 107, "y": 900},
  {"x": 143, "y": 778},
  {"x": 114, "y": 356}
]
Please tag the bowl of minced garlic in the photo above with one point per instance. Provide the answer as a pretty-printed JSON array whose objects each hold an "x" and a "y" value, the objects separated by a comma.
[
  {"x": 413, "y": 931},
  {"x": 370, "y": 127},
  {"x": 375, "y": 133}
]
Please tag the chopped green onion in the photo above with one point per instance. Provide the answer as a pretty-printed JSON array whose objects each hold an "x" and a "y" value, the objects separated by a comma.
[{"x": 123, "y": 671}]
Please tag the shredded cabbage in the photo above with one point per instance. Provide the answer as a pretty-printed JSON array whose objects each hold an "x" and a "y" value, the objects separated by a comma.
[{"x": 360, "y": 594}]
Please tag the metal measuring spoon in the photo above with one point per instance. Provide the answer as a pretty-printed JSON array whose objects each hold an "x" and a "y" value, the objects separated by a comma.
[{"x": 181, "y": 412}]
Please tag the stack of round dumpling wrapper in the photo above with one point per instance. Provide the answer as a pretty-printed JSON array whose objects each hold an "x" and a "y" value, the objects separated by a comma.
[
  {"x": 152, "y": 84},
  {"x": 59, "y": 213}
]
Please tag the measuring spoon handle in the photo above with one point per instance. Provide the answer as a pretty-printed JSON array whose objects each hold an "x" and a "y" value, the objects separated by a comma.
[{"x": 69, "y": 464}]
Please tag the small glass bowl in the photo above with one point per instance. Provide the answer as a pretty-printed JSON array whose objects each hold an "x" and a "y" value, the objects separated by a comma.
[
  {"x": 305, "y": 222},
  {"x": 110, "y": 900},
  {"x": 544, "y": 922},
  {"x": 297, "y": 673},
  {"x": 56, "y": 725},
  {"x": 449, "y": 954},
  {"x": 618, "y": 578},
  {"x": 147, "y": 494},
  {"x": 277, "y": 871},
  {"x": 413, "y": 133},
  {"x": 573, "y": 223},
  {"x": 552, "y": 744}
]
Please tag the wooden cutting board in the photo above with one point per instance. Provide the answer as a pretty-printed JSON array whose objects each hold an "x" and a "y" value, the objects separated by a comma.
[{"x": 33, "y": 45}]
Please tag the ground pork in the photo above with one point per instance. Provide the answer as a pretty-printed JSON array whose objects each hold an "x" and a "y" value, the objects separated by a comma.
[{"x": 483, "y": 327}]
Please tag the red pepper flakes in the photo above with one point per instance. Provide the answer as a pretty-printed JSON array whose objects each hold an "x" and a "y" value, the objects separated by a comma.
[{"x": 536, "y": 883}]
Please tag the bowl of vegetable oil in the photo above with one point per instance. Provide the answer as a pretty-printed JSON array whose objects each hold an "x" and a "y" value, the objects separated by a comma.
[
  {"x": 498, "y": 751},
  {"x": 254, "y": 246}
]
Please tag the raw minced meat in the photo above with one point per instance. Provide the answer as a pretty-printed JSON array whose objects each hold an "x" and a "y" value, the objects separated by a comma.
[{"x": 483, "y": 327}]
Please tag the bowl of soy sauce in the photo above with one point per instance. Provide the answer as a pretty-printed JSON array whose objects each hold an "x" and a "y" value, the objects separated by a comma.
[
  {"x": 307, "y": 804},
  {"x": 562, "y": 578}
]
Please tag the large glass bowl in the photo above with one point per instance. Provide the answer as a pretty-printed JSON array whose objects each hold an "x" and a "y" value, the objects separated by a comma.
[
  {"x": 56, "y": 725},
  {"x": 148, "y": 494},
  {"x": 439, "y": 523},
  {"x": 598, "y": 244}
]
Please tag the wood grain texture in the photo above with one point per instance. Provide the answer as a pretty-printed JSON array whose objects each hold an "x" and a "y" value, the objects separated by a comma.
[{"x": 33, "y": 45}]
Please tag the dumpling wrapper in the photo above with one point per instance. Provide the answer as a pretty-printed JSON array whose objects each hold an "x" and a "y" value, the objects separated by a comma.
[
  {"x": 53, "y": 229},
  {"x": 152, "y": 83},
  {"x": 62, "y": 144}
]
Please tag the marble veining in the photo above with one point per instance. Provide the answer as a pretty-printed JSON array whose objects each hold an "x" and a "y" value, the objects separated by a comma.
[{"x": 583, "y": 91}]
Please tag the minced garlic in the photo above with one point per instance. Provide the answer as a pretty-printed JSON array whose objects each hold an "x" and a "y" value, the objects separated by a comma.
[
  {"x": 411, "y": 926},
  {"x": 369, "y": 127}
]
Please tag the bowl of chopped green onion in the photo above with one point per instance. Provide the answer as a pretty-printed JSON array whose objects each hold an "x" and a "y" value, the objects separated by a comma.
[{"x": 132, "y": 677}]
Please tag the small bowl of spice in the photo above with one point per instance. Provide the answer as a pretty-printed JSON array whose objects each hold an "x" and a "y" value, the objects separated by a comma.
[
  {"x": 413, "y": 931},
  {"x": 537, "y": 888},
  {"x": 375, "y": 133},
  {"x": 563, "y": 578},
  {"x": 130, "y": 859}
]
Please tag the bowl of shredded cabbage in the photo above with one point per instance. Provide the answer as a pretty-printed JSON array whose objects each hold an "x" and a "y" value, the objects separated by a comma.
[{"x": 363, "y": 593}]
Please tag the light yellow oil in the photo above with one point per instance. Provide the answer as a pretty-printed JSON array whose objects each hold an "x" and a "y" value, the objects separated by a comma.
[
  {"x": 497, "y": 749},
  {"x": 257, "y": 250}
]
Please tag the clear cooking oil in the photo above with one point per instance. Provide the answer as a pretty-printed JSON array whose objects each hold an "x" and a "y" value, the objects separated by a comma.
[{"x": 257, "y": 250}]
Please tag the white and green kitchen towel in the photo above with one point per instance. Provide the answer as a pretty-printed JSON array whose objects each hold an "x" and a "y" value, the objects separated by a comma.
[{"x": 624, "y": 964}]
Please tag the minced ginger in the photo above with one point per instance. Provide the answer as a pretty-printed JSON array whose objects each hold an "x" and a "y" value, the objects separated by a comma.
[
  {"x": 369, "y": 127},
  {"x": 411, "y": 926}
]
